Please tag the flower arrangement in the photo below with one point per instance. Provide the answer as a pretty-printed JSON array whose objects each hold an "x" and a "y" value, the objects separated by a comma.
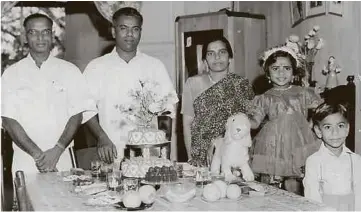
[
  {"x": 147, "y": 104},
  {"x": 307, "y": 50}
]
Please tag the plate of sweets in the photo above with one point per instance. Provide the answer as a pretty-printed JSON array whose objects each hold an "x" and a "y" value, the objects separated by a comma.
[{"x": 160, "y": 176}]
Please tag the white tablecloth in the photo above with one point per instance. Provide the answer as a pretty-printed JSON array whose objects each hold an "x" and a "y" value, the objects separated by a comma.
[{"x": 49, "y": 192}]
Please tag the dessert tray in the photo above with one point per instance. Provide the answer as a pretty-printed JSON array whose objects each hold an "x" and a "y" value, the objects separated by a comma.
[
  {"x": 148, "y": 145},
  {"x": 142, "y": 206}
]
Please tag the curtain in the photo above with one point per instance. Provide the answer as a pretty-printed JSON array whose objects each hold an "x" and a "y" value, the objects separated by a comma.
[
  {"x": 107, "y": 8},
  {"x": 6, "y": 6}
]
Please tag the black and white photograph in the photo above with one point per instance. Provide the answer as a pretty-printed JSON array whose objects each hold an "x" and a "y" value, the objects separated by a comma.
[
  {"x": 315, "y": 8},
  {"x": 297, "y": 12},
  {"x": 180, "y": 106},
  {"x": 335, "y": 7}
]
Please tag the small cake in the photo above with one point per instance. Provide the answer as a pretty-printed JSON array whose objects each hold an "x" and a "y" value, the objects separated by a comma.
[
  {"x": 161, "y": 175},
  {"x": 141, "y": 136},
  {"x": 137, "y": 167}
]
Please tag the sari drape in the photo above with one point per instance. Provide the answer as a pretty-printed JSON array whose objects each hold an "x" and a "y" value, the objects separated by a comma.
[{"x": 212, "y": 108}]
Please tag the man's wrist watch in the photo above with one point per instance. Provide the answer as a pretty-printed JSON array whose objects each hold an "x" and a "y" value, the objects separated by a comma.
[{"x": 61, "y": 146}]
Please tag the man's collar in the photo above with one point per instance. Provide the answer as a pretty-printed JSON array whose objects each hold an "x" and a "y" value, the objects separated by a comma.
[
  {"x": 33, "y": 61},
  {"x": 115, "y": 53},
  {"x": 325, "y": 150}
]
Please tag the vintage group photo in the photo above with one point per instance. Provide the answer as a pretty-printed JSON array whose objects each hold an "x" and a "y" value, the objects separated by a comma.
[{"x": 180, "y": 105}]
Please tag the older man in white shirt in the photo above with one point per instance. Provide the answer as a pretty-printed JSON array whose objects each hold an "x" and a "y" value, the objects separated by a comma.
[
  {"x": 113, "y": 76},
  {"x": 43, "y": 98}
]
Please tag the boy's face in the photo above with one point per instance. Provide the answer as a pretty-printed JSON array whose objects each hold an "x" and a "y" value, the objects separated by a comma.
[{"x": 333, "y": 130}]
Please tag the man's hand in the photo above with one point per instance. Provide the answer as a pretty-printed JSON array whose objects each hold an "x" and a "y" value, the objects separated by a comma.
[
  {"x": 106, "y": 149},
  {"x": 50, "y": 159}
]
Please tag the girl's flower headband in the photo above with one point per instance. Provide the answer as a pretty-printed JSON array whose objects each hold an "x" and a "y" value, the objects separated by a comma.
[{"x": 271, "y": 51}]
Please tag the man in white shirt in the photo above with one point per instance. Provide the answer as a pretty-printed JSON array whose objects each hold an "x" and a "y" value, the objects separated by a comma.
[
  {"x": 113, "y": 76},
  {"x": 43, "y": 98}
]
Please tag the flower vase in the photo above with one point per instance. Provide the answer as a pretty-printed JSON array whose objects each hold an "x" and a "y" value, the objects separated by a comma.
[{"x": 309, "y": 67}]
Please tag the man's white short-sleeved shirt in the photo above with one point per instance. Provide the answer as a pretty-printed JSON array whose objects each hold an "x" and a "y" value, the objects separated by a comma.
[
  {"x": 110, "y": 80},
  {"x": 42, "y": 100}
]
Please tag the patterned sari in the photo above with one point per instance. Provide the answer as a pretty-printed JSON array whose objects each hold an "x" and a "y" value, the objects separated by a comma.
[{"x": 212, "y": 108}]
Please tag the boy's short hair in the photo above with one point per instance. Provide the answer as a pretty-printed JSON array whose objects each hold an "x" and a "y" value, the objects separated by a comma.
[
  {"x": 325, "y": 109},
  {"x": 35, "y": 16},
  {"x": 128, "y": 11}
]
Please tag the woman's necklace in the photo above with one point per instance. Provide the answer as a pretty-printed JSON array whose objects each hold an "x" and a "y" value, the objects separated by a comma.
[
  {"x": 283, "y": 89},
  {"x": 211, "y": 79}
]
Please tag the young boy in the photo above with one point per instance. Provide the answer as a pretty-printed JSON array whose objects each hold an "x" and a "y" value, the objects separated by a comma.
[{"x": 333, "y": 173}]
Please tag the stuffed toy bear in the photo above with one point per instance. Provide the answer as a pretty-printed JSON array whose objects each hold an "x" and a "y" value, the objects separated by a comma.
[{"x": 232, "y": 150}]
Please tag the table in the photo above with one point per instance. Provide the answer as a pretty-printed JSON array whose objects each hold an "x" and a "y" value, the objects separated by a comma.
[{"x": 49, "y": 192}]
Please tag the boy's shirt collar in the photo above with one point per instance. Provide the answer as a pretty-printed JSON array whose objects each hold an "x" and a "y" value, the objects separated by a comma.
[{"x": 325, "y": 151}]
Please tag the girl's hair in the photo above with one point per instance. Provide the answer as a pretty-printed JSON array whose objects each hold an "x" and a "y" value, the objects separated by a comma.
[
  {"x": 325, "y": 109},
  {"x": 223, "y": 39},
  {"x": 273, "y": 58}
]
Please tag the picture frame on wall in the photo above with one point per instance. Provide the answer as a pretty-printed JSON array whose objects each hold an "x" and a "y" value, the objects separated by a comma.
[
  {"x": 335, "y": 7},
  {"x": 315, "y": 8},
  {"x": 297, "y": 12}
]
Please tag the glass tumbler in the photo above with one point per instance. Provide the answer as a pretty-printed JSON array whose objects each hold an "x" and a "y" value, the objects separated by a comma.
[
  {"x": 95, "y": 168},
  {"x": 114, "y": 181},
  {"x": 130, "y": 184}
]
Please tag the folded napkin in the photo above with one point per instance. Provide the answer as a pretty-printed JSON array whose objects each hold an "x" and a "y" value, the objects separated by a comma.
[
  {"x": 91, "y": 189},
  {"x": 103, "y": 199}
]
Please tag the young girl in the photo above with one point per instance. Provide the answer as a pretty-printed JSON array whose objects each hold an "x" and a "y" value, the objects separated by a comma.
[
  {"x": 333, "y": 174},
  {"x": 286, "y": 140}
]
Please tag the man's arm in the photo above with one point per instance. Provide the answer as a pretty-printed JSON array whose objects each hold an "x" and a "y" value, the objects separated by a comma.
[
  {"x": 52, "y": 155},
  {"x": 106, "y": 148},
  {"x": 21, "y": 139}
]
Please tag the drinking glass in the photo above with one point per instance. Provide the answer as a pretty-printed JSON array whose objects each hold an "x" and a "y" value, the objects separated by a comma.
[
  {"x": 114, "y": 180},
  {"x": 179, "y": 169},
  {"x": 95, "y": 168},
  {"x": 130, "y": 184}
]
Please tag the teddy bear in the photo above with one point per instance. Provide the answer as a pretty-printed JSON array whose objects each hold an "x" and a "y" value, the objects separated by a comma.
[{"x": 232, "y": 149}]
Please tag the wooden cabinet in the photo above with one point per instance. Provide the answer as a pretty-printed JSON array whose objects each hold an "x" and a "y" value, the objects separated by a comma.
[{"x": 246, "y": 33}]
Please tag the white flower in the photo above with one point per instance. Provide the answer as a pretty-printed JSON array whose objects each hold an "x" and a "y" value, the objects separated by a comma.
[
  {"x": 320, "y": 44},
  {"x": 293, "y": 46},
  {"x": 316, "y": 28},
  {"x": 311, "y": 33},
  {"x": 156, "y": 107},
  {"x": 311, "y": 44},
  {"x": 294, "y": 38},
  {"x": 307, "y": 37}
]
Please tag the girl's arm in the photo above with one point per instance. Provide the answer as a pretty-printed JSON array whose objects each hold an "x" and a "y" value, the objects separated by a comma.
[
  {"x": 311, "y": 181},
  {"x": 257, "y": 111}
]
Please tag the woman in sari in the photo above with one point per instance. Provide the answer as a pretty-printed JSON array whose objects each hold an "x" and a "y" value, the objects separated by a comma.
[{"x": 209, "y": 99}]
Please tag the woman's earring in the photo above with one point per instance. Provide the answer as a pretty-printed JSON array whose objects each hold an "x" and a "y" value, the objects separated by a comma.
[{"x": 269, "y": 80}]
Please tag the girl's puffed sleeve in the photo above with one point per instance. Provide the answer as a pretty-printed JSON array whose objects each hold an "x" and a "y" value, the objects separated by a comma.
[
  {"x": 258, "y": 109},
  {"x": 312, "y": 98}
]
